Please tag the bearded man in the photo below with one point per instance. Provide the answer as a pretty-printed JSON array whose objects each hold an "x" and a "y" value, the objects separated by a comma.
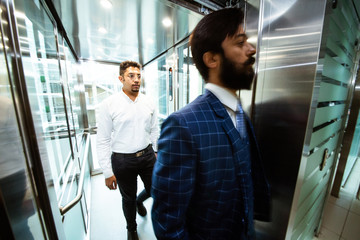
[{"x": 208, "y": 181}]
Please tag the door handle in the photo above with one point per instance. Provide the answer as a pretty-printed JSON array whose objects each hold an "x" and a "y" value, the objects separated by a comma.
[
  {"x": 325, "y": 157},
  {"x": 73, "y": 202},
  {"x": 170, "y": 84}
]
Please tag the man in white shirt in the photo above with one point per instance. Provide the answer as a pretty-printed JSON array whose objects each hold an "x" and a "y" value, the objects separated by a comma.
[{"x": 127, "y": 142}]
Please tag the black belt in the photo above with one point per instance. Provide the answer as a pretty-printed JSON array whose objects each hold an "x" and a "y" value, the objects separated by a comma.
[{"x": 137, "y": 154}]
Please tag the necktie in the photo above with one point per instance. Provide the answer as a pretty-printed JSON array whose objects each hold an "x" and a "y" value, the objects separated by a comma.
[{"x": 240, "y": 121}]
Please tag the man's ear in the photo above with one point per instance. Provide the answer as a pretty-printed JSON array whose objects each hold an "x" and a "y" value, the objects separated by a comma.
[
  {"x": 121, "y": 78},
  {"x": 211, "y": 60}
]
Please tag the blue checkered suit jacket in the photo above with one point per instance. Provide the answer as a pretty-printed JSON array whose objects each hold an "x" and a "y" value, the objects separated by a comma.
[{"x": 197, "y": 183}]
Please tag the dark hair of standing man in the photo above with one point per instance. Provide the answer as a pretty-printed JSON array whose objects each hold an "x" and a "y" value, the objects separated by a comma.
[
  {"x": 210, "y": 32},
  {"x": 126, "y": 64}
]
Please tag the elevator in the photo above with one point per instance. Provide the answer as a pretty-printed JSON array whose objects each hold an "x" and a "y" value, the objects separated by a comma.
[{"x": 57, "y": 65}]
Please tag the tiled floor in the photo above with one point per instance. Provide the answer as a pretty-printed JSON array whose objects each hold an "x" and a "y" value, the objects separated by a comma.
[
  {"x": 107, "y": 218},
  {"x": 341, "y": 220}
]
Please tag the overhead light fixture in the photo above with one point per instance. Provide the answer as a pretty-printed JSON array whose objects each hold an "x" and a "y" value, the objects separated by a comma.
[
  {"x": 167, "y": 22},
  {"x": 106, "y": 4},
  {"x": 102, "y": 30}
]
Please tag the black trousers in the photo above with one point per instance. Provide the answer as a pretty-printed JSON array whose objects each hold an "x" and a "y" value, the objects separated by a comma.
[{"x": 126, "y": 169}]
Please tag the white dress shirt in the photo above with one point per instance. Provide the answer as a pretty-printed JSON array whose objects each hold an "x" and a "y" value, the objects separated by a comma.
[
  {"x": 125, "y": 126},
  {"x": 227, "y": 98}
]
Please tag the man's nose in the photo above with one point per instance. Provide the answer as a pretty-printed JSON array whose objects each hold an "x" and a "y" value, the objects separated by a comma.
[{"x": 252, "y": 49}]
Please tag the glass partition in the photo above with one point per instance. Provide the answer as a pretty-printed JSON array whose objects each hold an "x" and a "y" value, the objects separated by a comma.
[
  {"x": 50, "y": 73},
  {"x": 190, "y": 81},
  {"x": 156, "y": 85},
  {"x": 45, "y": 89},
  {"x": 15, "y": 186},
  {"x": 100, "y": 80}
]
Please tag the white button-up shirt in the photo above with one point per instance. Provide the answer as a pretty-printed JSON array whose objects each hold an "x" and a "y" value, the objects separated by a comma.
[
  {"x": 125, "y": 126},
  {"x": 227, "y": 98}
]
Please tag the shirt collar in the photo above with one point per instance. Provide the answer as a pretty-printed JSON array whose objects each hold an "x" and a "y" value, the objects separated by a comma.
[
  {"x": 225, "y": 96},
  {"x": 127, "y": 97}
]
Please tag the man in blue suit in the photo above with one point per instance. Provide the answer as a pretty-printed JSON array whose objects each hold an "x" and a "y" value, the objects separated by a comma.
[{"x": 208, "y": 181}]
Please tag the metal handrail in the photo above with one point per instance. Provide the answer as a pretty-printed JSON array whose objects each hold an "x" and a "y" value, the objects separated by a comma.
[{"x": 72, "y": 203}]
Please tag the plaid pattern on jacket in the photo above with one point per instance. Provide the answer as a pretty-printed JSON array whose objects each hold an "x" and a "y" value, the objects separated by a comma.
[{"x": 197, "y": 183}]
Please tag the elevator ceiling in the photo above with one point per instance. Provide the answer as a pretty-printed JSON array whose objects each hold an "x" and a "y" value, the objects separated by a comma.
[{"x": 117, "y": 30}]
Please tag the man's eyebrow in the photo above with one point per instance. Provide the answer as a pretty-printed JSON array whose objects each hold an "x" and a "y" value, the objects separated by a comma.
[{"x": 240, "y": 35}]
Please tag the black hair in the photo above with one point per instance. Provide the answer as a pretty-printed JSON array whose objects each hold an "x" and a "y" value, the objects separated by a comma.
[
  {"x": 210, "y": 32},
  {"x": 125, "y": 65}
]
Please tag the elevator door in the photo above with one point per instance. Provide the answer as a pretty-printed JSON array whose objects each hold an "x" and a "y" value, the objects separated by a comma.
[
  {"x": 19, "y": 217},
  {"x": 52, "y": 101},
  {"x": 172, "y": 80},
  {"x": 189, "y": 81}
]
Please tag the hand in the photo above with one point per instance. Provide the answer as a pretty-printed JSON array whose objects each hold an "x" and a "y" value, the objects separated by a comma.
[
  {"x": 156, "y": 155},
  {"x": 111, "y": 182}
]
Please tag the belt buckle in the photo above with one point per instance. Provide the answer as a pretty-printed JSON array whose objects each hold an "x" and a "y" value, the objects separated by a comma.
[{"x": 138, "y": 154}]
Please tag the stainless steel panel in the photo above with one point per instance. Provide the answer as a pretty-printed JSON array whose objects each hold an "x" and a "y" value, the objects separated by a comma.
[
  {"x": 289, "y": 48},
  {"x": 251, "y": 26}
]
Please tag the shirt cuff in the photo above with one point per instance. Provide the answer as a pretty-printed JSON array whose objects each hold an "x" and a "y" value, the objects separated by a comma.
[
  {"x": 154, "y": 148},
  {"x": 108, "y": 173}
]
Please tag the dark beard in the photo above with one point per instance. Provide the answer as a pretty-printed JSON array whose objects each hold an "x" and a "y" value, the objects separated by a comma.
[{"x": 237, "y": 77}]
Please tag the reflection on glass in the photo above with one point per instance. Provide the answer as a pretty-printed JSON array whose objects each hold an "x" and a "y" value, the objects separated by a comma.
[
  {"x": 158, "y": 85},
  {"x": 101, "y": 81},
  {"x": 155, "y": 75},
  {"x": 54, "y": 96},
  {"x": 195, "y": 81},
  {"x": 71, "y": 92},
  {"x": 44, "y": 87},
  {"x": 14, "y": 183},
  {"x": 190, "y": 81}
]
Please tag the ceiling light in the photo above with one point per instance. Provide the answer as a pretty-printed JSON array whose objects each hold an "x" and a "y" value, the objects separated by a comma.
[
  {"x": 167, "y": 22},
  {"x": 106, "y": 4},
  {"x": 102, "y": 30}
]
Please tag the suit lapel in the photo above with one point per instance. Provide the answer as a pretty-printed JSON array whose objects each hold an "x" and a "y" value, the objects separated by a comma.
[
  {"x": 261, "y": 187},
  {"x": 227, "y": 123}
]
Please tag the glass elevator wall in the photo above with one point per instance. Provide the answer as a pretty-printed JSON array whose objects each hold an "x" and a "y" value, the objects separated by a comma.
[{"x": 49, "y": 101}]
